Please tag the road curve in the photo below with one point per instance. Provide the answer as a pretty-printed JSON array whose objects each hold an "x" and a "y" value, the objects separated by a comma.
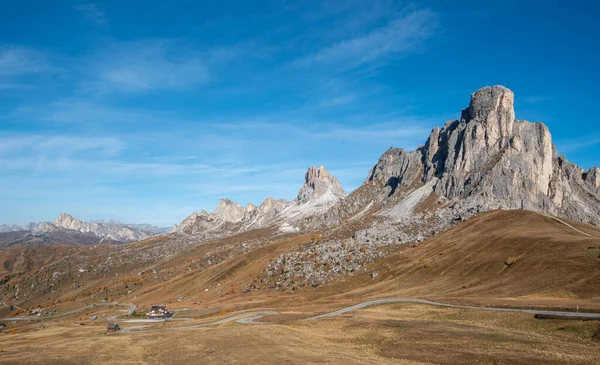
[
  {"x": 247, "y": 318},
  {"x": 423, "y": 301}
]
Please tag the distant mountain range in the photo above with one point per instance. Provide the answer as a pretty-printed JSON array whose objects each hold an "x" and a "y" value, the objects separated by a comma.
[
  {"x": 486, "y": 160},
  {"x": 67, "y": 229},
  {"x": 320, "y": 192},
  {"x": 483, "y": 161}
]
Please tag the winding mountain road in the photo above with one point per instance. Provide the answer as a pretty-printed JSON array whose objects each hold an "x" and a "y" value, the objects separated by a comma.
[
  {"x": 247, "y": 318},
  {"x": 423, "y": 301},
  {"x": 251, "y": 317}
]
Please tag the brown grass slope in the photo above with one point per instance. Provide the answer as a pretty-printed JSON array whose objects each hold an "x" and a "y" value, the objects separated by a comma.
[
  {"x": 502, "y": 254},
  {"x": 512, "y": 258},
  {"x": 508, "y": 258}
]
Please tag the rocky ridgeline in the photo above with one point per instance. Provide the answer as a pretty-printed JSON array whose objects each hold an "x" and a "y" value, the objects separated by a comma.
[
  {"x": 319, "y": 192},
  {"x": 485, "y": 160},
  {"x": 319, "y": 184},
  {"x": 489, "y": 160},
  {"x": 70, "y": 230}
]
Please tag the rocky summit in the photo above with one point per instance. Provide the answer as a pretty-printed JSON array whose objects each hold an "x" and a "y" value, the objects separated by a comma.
[
  {"x": 488, "y": 160},
  {"x": 319, "y": 192},
  {"x": 483, "y": 161},
  {"x": 318, "y": 184}
]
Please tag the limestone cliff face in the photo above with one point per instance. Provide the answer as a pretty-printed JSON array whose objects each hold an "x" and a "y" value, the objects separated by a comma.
[
  {"x": 319, "y": 192},
  {"x": 489, "y": 160},
  {"x": 229, "y": 211},
  {"x": 397, "y": 167},
  {"x": 490, "y": 152},
  {"x": 318, "y": 183},
  {"x": 485, "y": 160}
]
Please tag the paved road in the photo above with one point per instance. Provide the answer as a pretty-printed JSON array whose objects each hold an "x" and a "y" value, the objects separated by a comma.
[
  {"x": 251, "y": 317},
  {"x": 423, "y": 301},
  {"x": 157, "y": 320},
  {"x": 247, "y": 318}
]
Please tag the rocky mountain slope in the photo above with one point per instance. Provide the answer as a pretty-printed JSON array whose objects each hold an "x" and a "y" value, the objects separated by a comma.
[
  {"x": 70, "y": 230},
  {"x": 320, "y": 192},
  {"x": 486, "y": 160}
]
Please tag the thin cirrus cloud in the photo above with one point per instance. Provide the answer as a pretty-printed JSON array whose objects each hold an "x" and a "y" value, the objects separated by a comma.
[
  {"x": 578, "y": 143},
  {"x": 59, "y": 145},
  {"x": 92, "y": 12},
  {"x": 402, "y": 34},
  {"x": 146, "y": 66},
  {"x": 102, "y": 128},
  {"x": 18, "y": 61}
]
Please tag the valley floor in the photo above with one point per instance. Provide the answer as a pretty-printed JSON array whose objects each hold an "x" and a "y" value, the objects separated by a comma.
[
  {"x": 514, "y": 259},
  {"x": 403, "y": 333}
]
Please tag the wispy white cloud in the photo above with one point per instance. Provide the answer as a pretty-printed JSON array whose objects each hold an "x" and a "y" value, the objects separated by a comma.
[
  {"x": 577, "y": 143},
  {"x": 402, "y": 34},
  {"x": 18, "y": 61},
  {"x": 145, "y": 66},
  {"x": 44, "y": 145},
  {"x": 91, "y": 11},
  {"x": 341, "y": 100},
  {"x": 107, "y": 135}
]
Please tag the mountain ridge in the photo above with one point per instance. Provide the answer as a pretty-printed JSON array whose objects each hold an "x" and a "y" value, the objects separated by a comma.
[
  {"x": 110, "y": 231},
  {"x": 485, "y": 160},
  {"x": 319, "y": 191}
]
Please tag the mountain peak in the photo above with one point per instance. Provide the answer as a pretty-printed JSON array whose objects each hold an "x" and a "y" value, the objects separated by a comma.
[
  {"x": 489, "y": 159},
  {"x": 318, "y": 182},
  {"x": 65, "y": 220},
  {"x": 492, "y": 106},
  {"x": 229, "y": 211}
]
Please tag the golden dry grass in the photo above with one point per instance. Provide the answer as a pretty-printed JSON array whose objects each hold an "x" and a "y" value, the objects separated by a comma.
[
  {"x": 464, "y": 265},
  {"x": 386, "y": 334}
]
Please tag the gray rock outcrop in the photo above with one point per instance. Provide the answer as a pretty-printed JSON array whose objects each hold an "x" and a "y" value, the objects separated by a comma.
[
  {"x": 319, "y": 192},
  {"x": 318, "y": 183},
  {"x": 489, "y": 160}
]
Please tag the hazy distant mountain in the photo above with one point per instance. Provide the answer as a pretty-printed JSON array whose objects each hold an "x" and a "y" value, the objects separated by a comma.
[{"x": 70, "y": 230}]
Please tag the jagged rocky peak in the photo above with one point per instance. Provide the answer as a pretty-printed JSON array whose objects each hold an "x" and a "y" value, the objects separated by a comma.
[
  {"x": 396, "y": 167},
  {"x": 493, "y": 106},
  {"x": 489, "y": 160},
  {"x": 318, "y": 183},
  {"x": 67, "y": 221},
  {"x": 489, "y": 151},
  {"x": 593, "y": 177},
  {"x": 229, "y": 211}
]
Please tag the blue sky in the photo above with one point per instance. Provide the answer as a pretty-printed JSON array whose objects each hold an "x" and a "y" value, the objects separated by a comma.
[{"x": 146, "y": 113}]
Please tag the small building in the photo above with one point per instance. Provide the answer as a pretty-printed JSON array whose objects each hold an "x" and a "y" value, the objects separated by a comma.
[
  {"x": 159, "y": 312},
  {"x": 113, "y": 327}
]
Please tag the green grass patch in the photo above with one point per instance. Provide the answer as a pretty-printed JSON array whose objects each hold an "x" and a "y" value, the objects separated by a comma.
[
  {"x": 138, "y": 315},
  {"x": 594, "y": 252}
]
